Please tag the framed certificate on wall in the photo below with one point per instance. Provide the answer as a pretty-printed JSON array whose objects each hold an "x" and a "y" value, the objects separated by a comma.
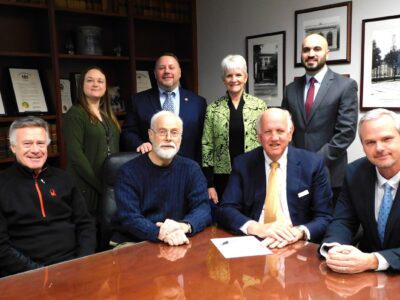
[{"x": 28, "y": 90}]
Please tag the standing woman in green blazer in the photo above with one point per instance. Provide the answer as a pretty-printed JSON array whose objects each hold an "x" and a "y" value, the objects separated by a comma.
[
  {"x": 91, "y": 133},
  {"x": 229, "y": 126}
]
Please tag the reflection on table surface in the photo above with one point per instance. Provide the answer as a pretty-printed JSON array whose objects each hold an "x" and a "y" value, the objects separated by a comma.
[{"x": 198, "y": 271}]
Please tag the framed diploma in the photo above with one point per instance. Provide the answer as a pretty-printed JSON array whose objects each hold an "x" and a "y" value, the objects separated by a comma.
[
  {"x": 2, "y": 110},
  {"x": 28, "y": 90},
  {"x": 142, "y": 81},
  {"x": 66, "y": 100}
]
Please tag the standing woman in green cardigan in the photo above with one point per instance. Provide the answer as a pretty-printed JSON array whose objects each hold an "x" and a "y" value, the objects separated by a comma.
[
  {"x": 229, "y": 126},
  {"x": 91, "y": 133}
]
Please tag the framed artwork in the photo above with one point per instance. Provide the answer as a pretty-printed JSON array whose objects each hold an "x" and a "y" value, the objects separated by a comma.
[
  {"x": 333, "y": 22},
  {"x": 75, "y": 83},
  {"x": 2, "y": 109},
  {"x": 266, "y": 66},
  {"x": 28, "y": 90},
  {"x": 66, "y": 100},
  {"x": 380, "y": 63}
]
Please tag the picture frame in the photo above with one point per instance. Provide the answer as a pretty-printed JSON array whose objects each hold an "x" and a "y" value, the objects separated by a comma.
[
  {"x": 75, "y": 83},
  {"x": 380, "y": 63},
  {"x": 333, "y": 22},
  {"x": 266, "y": 66},
  {"x": 28, "y": 91},
  {"x": 2, "y": 108},
  {"x": 66, "y": 98}
]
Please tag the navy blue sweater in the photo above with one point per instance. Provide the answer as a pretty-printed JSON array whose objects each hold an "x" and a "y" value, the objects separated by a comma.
[{"x": 146, "y": 193}]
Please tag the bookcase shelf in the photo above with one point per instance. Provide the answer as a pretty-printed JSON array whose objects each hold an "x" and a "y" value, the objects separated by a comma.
[{"x": 133, "y": 34}]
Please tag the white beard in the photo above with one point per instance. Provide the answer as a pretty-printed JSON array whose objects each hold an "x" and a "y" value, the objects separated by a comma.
[{"x": 165, "y": 153}]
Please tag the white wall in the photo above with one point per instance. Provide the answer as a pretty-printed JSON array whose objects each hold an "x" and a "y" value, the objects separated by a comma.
[{"x": 222, "y": 26}]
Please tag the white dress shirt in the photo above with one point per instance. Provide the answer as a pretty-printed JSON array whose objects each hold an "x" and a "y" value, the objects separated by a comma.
[
  {"x": 317, "y": 84},
  {"x": 282, "y": 171},
  {"x": 379, "y": 191}
]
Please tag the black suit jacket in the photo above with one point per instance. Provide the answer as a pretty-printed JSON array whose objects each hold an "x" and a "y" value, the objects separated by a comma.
[
  {"x": 355, "y": 206},
  {"x": 332, "y": 126},
  {"x": 145, "y": 104}
]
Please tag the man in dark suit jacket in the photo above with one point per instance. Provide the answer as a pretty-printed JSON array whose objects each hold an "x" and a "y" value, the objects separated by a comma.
[
  {"x": 361, "y": 200},
  {"x": 189, "y": 106},
  {"x": 305, "y": 202},
  {"x": 331, "y": 126}
]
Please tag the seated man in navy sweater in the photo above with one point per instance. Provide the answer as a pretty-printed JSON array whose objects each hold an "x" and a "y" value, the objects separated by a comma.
[
  {"x": 161, "y": 196},
  {"x": 43, "y": 216}
]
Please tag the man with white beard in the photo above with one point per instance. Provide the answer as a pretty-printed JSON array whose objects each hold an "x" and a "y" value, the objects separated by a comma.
[{"x": 161, "y": 196}]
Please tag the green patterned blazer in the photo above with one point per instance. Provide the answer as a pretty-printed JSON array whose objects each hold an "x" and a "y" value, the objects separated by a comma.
[{"x": 215, "y": 141}]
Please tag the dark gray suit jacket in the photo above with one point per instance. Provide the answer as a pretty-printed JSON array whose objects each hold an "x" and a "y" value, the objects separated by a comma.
[
  {"x": 355, "y": 206},
  {"x": 332, "y": 125}
]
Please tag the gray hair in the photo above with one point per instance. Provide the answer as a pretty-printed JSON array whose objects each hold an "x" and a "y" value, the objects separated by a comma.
[
  {"x": 284, "y": 112},
  {"x": 29, "y": 121},
  {"x": 376, "y": 114},
  {"x": 163, "y": 113},
  {"x": 231, "y": 62}
]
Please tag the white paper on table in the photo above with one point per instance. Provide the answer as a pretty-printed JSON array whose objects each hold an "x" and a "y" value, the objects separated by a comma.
[{"x": 240, "y": 246}]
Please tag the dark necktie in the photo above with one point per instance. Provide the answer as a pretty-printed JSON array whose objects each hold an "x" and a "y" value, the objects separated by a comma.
[
  {"x": 384, "y": 211},
  {"x": 310, "y": 97},
  {"x": 168, "y": 103}
]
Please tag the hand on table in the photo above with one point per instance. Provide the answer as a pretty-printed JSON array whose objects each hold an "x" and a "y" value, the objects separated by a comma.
[
  {"x": 349, "y": 259},
  {"x": 172, "y": 232}
]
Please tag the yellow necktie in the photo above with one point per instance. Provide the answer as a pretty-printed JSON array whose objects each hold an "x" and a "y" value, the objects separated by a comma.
[{"x": 272, "y": 207}]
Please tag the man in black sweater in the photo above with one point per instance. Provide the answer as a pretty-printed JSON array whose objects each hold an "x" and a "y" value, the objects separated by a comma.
[{"x": 43, "y": 217}]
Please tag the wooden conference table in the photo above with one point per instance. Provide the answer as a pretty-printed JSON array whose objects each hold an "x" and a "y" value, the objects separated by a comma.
[{"x": 197, "y": 271}]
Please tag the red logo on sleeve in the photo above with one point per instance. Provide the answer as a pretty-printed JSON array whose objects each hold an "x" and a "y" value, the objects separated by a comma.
[{"x": 53, "y": 193}]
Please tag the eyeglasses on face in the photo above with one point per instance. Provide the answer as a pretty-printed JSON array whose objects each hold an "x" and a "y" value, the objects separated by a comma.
[{"x": 164, "y": 133}]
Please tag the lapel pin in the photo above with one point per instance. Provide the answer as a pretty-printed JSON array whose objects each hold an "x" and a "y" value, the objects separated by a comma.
[{"x": 186, "y": 99}]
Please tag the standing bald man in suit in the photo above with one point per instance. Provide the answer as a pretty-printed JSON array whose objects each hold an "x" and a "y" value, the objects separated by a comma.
[
  {"x": 324, "y": 109},
  {"x": 190, "y": 107}
]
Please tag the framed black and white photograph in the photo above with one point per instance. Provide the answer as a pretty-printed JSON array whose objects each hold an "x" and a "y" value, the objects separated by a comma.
[
  {"x": 380, "y": 63},
  {"x": 333, "y": 22},
  {"x": 266, "y": 66}
]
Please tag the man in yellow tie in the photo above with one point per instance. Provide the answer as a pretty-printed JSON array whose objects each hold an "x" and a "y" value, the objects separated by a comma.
[{"x": 277, "y": 192}]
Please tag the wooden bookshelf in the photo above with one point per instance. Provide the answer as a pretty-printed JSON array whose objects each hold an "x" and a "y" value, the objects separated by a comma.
[{"x": 133, "y": 34}]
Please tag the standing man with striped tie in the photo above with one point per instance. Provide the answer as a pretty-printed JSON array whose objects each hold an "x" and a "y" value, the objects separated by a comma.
[
  {"x": 168, "y": 95},
  {"x": 369, "y": 198},
  {"x": 277, "y": 192},
  {"x": 324, "y": 109}
]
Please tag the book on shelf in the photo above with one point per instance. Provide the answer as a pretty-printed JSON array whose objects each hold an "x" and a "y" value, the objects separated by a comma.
[
  {"x": 176, "y": 10},
  {"x": 53, "y": 147},
  {"x": 3, "y": 142},
  {"x": 61, "y": 3}
]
